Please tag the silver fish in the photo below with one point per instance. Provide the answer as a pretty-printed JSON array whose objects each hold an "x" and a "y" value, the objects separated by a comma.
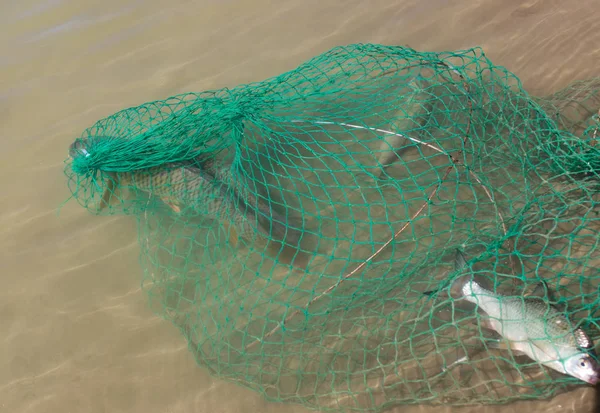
[{"x": 532, "y": 326}]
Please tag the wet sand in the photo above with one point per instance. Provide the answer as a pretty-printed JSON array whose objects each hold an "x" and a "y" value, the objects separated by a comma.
[{"x": 76, "y": 332}]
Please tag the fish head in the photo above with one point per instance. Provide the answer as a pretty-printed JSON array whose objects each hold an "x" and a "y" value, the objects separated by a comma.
[{"x": 584, "y": 367}]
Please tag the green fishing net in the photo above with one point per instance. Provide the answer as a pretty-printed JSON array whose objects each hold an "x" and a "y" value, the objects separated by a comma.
[{"x": 290, "y": 228}]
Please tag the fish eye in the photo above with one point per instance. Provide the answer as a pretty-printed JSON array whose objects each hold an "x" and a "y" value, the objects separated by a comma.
[{"x": 583, "y": 362}]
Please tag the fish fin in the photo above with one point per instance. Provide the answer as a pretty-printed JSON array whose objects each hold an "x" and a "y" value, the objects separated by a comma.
[
  {"x": 430, "y": 293},
  {"x": 460, "y": 261},
  {"x": 486, "y": 323},
  {"x": 232, "y": 234},
  {"x": 460, "y": 360},
  {"x": 540, "y": 290},
  {"x": 506, "y": 345},
  {"x": 544, "y": 292},
  {"x": 207, "y": 163},
  {"x": 537, "y": 291},
  {"x": 176, "y": 208},
  {"x": 111, "y": 187}
]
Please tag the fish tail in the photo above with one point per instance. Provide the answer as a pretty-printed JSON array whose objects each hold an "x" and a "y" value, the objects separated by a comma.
[
  {"x": 287, "y": 241},
  {"x": 279, "y": 250},
  {"x": 279, "y": 226},
  {"x": 286, "y": 244},
  {"x": 468, "y": 286},
  {"x": 415, "y": 113},
  {"x": 461, "y": 285},
  {"x": 293, "y": 256}
]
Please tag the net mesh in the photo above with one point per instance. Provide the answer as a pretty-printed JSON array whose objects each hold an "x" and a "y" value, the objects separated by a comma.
[{"x": 291, "y": 228}]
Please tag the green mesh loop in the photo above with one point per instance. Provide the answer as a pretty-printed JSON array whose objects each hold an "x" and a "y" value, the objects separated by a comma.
[{"x": 291, "y": 228}]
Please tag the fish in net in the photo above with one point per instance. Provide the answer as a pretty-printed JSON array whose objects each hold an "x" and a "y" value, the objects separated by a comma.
[{"x": 293, "y": 228}]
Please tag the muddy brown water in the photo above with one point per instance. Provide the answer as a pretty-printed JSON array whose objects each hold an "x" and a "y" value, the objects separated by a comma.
[{"x": 76, "y": 331}]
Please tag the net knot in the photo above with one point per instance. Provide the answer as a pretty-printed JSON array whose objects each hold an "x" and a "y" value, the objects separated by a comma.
[
  {"x": 86, "y": 156},
  {"x": 241, "y": 107}
]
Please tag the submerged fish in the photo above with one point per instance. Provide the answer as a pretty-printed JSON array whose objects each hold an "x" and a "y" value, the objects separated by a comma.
[
  {"x": 532, "y": 326},
  {"x": 413, "y": 116},
  {"x": 188, "y": 188}
]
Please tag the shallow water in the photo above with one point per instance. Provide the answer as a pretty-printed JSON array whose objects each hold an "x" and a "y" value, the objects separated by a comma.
[{"x": 77, "y": 333}]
